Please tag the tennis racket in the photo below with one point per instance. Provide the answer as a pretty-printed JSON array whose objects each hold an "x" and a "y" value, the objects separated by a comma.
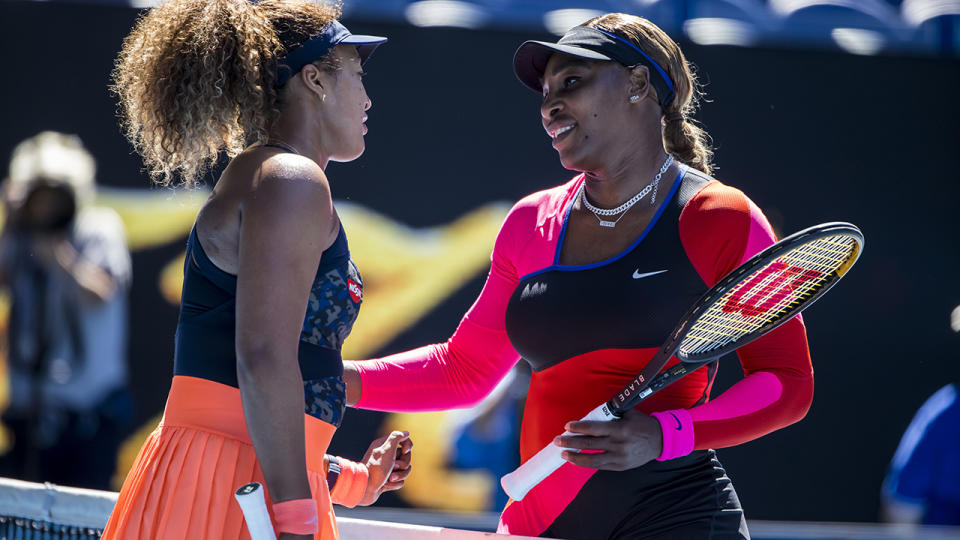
[
  {"x": 756, "y": 297},
  {"x": 254, "y": 507}
]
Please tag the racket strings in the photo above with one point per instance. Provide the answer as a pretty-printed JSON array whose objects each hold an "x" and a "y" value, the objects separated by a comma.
[
  {"x": 774, "y": 291},
  {"x": 767, "y": 293}
]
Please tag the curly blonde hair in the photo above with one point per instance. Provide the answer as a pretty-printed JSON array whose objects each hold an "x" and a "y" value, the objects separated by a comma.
[
  {"x": 198, "y": 77},
  {"x": 682, "y": 136}
]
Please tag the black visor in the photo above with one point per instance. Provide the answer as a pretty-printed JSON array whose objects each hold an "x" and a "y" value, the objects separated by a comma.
[{"x": 531, "y": 58}]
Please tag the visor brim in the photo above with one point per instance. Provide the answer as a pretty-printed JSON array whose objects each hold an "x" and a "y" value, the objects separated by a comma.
[
  {"x": 365, "y": 45},
  {"x": 530, "y": 60}
]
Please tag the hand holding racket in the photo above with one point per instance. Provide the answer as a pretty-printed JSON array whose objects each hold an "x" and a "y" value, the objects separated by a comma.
[
  {"x": 388, "y": 464},
  {"x": 756, "y": 297},
  {"x": 254, "y": 508},
  {"x": 253, "y": 504}
]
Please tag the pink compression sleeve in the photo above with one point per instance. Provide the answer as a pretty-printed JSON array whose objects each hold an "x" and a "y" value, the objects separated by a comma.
[
  {"x": 778, "y": 377},
  {"x": 459, "y": 372},
  {"x": 754, "y": 393},
  {"x": 761, "y": 387}
]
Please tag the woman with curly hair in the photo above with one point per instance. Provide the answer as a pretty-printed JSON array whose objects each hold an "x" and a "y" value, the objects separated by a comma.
[
  {"x": 269, "y": 291},
  {"x": 586, "y": 282}
]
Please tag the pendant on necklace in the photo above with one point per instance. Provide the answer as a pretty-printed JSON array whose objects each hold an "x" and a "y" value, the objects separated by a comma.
[{"x": 605, "y": 223}]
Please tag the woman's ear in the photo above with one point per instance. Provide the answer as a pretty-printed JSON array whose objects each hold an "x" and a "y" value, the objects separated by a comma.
[
  {"x": 313, "y": 80},
  {"x": 639, "y": 83}
]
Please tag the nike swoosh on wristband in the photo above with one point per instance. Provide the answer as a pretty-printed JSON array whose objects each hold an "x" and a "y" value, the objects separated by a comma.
[
  {"x": 679, "y": 427},
  {"x": 638, "y": 275}
]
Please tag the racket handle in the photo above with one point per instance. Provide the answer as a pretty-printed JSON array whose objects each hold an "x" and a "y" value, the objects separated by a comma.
[
  {"x": 255, "y": 513},
  {"x": 518, "y": 483}
]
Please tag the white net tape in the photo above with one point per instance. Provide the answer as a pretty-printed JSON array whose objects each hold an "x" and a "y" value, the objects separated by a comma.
[
  {"x": 49, "y": 512},
  {"x": 82, "y": 511}
]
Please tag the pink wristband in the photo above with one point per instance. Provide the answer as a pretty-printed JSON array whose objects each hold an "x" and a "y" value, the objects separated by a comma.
[
  {"x": 677, "y": 429},
  {"x": 351, "y": 484},
  {"x": 298, "y": 516}
]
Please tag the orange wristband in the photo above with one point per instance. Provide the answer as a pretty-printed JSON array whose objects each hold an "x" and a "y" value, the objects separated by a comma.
[
  {"x": 298, "y": 516},
  {"x": 351, "y": 485}
]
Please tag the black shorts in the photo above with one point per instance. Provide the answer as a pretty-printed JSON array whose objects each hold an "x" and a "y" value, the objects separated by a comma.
[{"x": 685, "y": 498}]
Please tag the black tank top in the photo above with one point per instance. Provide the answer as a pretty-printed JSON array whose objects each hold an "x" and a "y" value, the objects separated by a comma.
[{"x": 206, "y": 330}]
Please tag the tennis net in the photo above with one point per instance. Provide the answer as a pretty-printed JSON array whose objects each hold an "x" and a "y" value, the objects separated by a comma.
[{"x": 31, "y": 511}]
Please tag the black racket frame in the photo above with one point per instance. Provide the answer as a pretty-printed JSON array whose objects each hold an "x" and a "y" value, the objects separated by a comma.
[{"x": 648, "y": 381}]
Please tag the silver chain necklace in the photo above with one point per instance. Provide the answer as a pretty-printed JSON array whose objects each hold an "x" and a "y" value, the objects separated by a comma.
[{"x": 622, "y": 209}]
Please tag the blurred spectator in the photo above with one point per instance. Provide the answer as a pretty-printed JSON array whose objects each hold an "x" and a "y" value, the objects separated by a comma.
[
  {"x": 923, "y": 485},
  {"x": 464, "y": 452},
  {"x": 489, "y": 440},
  {"x": 67, "y": 268}
]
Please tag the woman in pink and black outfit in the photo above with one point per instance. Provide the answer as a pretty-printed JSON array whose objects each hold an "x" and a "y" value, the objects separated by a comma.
[{"x": 587, "y": 280}]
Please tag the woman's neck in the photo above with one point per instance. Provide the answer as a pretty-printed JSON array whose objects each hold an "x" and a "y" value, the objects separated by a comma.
[
  {"x": 291, "y": 130},
  {"x": 611, "y": 186}
]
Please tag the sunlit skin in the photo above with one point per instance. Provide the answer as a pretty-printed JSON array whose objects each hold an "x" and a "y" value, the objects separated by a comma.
[
  {"x": 268, "y": 221},
  {"x": 615, "y": 142},
  {"x": 618, "y": 145},
  {"x": 325, "y": 110},
  {"x": 322, "y": 118}
]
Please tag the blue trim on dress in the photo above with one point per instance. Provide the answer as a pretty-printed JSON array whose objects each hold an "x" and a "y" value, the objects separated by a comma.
[
  {"x": 573, "y": 268},
  {"x": 566, "y": 220}
]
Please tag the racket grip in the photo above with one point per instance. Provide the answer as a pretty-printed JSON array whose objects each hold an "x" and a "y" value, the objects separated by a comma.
[
  {"x": 255, "y": 513},
  {"x": 518, "y": 483}
]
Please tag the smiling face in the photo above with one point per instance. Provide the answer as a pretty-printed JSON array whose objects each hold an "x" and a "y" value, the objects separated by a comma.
[
  {"x": 586, "y": 111},
  {"x": 344, "y": 106}
]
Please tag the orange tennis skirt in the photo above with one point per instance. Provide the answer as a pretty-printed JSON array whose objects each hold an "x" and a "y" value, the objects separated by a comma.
[{"x": 183, "y": 482}]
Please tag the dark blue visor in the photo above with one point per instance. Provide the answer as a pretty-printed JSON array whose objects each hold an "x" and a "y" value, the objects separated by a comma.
[{"x": 315, "y": 48}]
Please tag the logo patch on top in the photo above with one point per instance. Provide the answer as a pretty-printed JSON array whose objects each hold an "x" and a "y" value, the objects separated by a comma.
[
  {"x": 535, "y": 289},
  {"x": 638, "y": 275},
  {"x": 356, "y": 293}
]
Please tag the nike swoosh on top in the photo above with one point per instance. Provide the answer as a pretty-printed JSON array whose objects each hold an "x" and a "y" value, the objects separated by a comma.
[{"x": 638, "y": 275}]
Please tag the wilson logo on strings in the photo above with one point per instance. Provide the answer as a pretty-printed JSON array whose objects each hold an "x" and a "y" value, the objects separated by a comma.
[{"x": 775, "y": 286}]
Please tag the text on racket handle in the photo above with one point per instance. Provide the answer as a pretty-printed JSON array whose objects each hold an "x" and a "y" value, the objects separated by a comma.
[
  {"x": 635, "y": 385},
  {"x": 658, "y": 382}
]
